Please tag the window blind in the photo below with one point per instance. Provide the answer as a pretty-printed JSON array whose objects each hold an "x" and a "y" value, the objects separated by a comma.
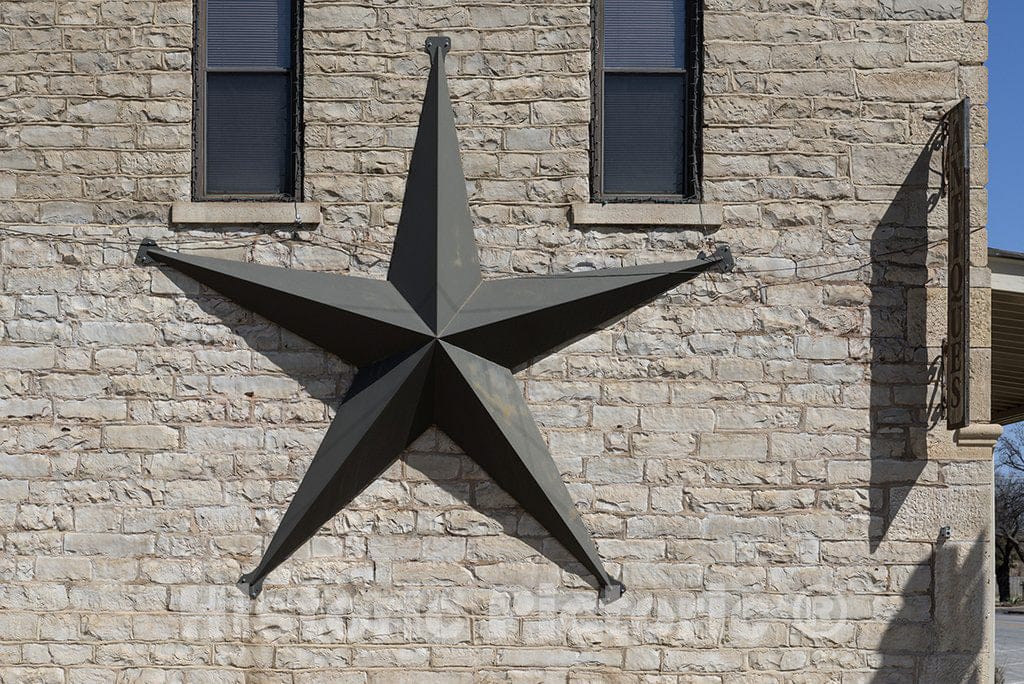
[
  {"x": 248, "y": 99},
  {"x": 644, "y": 34},
  {"x": 248, "y": 128},
  {"x": 249, "y": 34},
  {"x": 644, "y": 82},
  {"x": 643, "y": 135}
]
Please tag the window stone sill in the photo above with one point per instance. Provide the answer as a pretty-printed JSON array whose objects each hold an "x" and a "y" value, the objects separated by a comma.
[
  {"x": 649, "y": 214},
  {"x": 247, "y": 213}
]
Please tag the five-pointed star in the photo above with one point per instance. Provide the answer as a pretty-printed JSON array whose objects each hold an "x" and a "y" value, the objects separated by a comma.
[{"x": 435, "y": 345}]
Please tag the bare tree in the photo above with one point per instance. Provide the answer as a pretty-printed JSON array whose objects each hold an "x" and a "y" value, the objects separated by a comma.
[
  {"x": 1010, "y": 448},
  {"x": 1009, "y": 498}
]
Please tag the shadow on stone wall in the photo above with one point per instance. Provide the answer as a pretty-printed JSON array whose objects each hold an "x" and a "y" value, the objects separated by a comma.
[
  {"x": 491, "y": 517},
  {"x": 942, "y": 615},
  {"x": 903, "y": 404},
  {"x": 322, "y": 375}
]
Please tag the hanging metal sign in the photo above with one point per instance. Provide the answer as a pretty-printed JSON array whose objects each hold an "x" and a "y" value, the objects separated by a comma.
[
  {"x": 435, "y": 345},
  {"x": 957, "y": 170}
]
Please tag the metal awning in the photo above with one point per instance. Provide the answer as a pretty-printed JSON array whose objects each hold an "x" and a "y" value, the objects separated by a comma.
[{"x": 1007, "y": 335}]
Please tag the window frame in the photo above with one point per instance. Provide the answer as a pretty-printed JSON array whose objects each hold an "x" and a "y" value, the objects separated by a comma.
[
  {"x": 693, "y": 114},
  {"x": 199, "y": 102}
]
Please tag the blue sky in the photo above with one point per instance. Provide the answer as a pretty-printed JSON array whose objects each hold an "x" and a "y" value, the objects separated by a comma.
[{"x": 1006, "y": 124}]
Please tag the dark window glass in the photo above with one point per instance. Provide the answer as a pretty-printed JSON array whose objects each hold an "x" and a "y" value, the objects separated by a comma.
[
  {"x": 645, "y": 128},
  {"x": 643, "y": 133},
  {"x": 248, "y": 126},
  {"x": 247, "y": 109}
]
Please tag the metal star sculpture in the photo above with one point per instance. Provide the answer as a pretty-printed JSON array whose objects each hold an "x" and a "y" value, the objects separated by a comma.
[{"x": 435, "y": 345}]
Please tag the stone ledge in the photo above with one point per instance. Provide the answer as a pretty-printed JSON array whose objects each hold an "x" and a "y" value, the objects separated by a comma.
[
  {"x": 979, "y": 435},
  {"x": 236, "y": 213},
  {"x": 645, "y": 214}
]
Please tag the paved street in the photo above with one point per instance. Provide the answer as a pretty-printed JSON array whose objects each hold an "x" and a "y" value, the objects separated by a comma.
[{"x": 1010, "y": 646}]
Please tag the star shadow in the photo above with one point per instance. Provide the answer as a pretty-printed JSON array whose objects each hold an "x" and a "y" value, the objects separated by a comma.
[{"x": 491, "y": 512}]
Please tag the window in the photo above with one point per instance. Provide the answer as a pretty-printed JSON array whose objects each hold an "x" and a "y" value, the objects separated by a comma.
[
  {"x": 247, "y": 138},
  {"x": 646, "y": 131}
]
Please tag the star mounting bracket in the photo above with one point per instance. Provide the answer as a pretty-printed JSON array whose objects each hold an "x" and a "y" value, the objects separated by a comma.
[{"x": 435, "y": 344}]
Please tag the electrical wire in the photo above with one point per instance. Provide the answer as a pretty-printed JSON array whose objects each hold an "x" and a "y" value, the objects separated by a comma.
[
  {"x": 221, "y": 243},
  {"x": 354, "y": 251}
]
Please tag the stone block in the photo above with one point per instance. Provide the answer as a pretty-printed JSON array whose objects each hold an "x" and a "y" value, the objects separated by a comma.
[
  {"x": 911, "y": 10},
  {"x": 117, "y": 333},
  {"x": 140, "y": 437},
  {"x": 27, "y": 358},
  {"x": 108, "y": 544},
  {"x": 909, "y": 85}
]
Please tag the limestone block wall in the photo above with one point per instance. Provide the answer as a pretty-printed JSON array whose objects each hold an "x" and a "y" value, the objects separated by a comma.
[{"x": 760, "y": 454}]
